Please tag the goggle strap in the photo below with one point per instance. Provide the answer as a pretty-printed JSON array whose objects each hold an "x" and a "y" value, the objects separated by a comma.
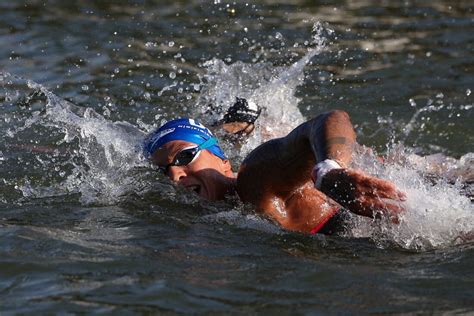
[{"x": 208, "y": 143}]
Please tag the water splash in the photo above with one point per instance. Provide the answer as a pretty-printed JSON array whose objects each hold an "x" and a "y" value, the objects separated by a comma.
[
  {"x": 98, "y": 159},
  {"x": 89, "y": 154},
  {"x": 438, "y": 211},
  {"x": 272, "y": 88}
]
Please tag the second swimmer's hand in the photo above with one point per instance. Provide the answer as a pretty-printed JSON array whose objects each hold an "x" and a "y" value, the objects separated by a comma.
[
  {"x": 363, "y": 194},
  {"x": 240, "y": 128}
]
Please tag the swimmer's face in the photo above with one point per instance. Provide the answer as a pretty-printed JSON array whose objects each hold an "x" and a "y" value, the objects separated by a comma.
[{"x": 207, "y": 175}]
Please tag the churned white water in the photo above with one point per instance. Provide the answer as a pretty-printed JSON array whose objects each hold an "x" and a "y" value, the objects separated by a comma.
[
  {"x": 102, "y": 160},
  {"x": 438, "y": 211}
]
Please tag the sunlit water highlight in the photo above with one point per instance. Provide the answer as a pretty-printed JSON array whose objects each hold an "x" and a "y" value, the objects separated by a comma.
[
  {"x": 88, "y": 225},
  {"x": 104, "y": 158}
]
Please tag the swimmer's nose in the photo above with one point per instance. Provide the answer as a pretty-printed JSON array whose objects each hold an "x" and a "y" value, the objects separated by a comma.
[{"x": 176, "y": 173}]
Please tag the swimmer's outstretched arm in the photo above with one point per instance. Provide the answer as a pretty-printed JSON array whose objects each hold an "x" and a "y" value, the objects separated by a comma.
[{"x": 283, "y": 165}]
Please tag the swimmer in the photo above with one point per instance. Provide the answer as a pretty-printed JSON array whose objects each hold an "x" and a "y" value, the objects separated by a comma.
[{"x": 302, "y": 181}]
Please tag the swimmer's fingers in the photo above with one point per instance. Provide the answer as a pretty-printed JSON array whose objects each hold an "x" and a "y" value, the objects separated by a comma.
[
  {"x": 375, "y": 207},
  {"x": 361, "y": 193},
  {"x": 383, "y": 189},
  {"x": 238, "y": 127},
  {"x": 373, "y": 186}
]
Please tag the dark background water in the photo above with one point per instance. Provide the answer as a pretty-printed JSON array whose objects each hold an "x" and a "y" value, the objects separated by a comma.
[{"x": 159, "y": 254}]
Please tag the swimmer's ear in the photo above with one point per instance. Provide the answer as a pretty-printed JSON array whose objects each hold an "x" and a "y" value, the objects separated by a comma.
[{"x": 227, "y": 167}]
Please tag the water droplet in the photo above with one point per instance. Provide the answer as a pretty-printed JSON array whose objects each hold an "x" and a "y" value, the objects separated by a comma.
[
  {"x": 116, "y": 70},
  {"x": 149, "y": 44},
  {"x": 440, "y": 95},
  {"x": 170, "y": 43},
  {"x": 412, "y": 102},
  {"x": 106, "y": 112},
  {"x": 279, "y": 36},
  {"x": 468, "y": 92},
  {"x": 172, "y": 75},
  {"x": 147, "y": 96},
  {"x": 85, "y": 87}
]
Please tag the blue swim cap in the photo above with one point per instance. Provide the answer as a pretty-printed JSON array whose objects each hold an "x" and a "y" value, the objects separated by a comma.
[{"x": 180, "y": 129}]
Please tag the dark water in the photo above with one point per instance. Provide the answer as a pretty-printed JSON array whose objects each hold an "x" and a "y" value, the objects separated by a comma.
[{"x": 88, "y": 226}]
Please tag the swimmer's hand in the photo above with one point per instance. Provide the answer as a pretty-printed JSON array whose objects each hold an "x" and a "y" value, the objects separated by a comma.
[
  {"x": 238, "y": 128},
  {"x": 363, "y": 194},
  {"x": 241, "y": 116}
]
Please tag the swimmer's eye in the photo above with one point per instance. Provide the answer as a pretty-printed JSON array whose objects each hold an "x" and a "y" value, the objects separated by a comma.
[
  {"x": 187, "y": 155},
  {"x": 182, "y": 158}
]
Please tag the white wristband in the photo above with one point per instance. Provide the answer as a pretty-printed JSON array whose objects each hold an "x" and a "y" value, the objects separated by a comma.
[{"x": 321, "y": 169}]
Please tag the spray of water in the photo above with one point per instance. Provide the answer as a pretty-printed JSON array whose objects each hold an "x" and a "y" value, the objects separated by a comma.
[
  {"x": 98, "y": 154},
  {"x": 101, "y": 157},
  {"x": 438, "y": 212},
  {"x": 272, "y": 88}
]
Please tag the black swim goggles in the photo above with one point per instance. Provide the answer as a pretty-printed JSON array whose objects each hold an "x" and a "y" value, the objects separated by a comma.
[{"x": 188, "y": 155}]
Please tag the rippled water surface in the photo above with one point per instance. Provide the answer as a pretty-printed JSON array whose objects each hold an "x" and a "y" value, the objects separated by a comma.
[{"x": 87, "y": 225}]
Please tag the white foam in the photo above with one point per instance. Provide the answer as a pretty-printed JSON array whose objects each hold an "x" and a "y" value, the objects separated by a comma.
[{"x": 437, "y": 211}]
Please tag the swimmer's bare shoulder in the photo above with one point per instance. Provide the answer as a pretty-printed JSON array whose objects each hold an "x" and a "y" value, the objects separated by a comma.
[{"x": 276, "y": 178}]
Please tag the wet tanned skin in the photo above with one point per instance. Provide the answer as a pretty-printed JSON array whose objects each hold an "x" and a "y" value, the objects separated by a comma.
[
  {"x": 276, "y": 177},
  {"x": 208, "y": 175}
]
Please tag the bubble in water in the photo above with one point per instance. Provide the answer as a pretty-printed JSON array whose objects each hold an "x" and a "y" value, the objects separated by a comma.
[
  {"x": 172, "y": 75},
  {"x": 279, "y": 36},
  {"x": 412, "y": 102},
  {"x": 468, "y": 92},
  {"x": 147, "y": 96},
  {"x": 170, "y": 43},
  {"x": 85, "y": 87}
]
